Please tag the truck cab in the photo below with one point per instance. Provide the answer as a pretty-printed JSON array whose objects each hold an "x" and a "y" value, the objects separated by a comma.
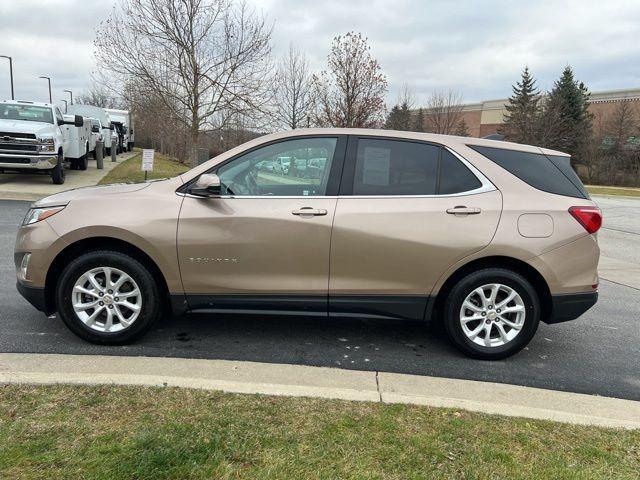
[{"x": 33, "y": 138}]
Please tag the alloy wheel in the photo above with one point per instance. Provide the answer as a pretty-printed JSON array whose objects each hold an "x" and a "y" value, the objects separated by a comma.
[
  {"x": 106, "y": 299},
  {"x": 492, "y": 315}
]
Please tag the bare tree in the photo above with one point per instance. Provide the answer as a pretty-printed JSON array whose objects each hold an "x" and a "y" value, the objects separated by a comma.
[
  {"x": 443, "y": 113},
  {"x": 293, "y": 95},
  {"x": 350, "y": 93},
  {"x": 406, "y": 96},
  {"x": 98, "y": 96},
  {"x": 620, "y": 127},
  {"x": 205, "y": 60}
]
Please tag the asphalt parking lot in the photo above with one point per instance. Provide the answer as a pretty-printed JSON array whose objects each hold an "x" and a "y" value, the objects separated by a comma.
[{"x": 597, "y": 354}]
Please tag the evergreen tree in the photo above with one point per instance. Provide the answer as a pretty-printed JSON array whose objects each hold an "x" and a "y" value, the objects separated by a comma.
[
  {"x": 392, "y": 121},
  {"x": 522, "y": 111},
  {"x": 570, "y": 98},
  {"x": 418, "y": 121},
  {"x": 399, "y": 118},
  {"x": 462, "y": 130}
]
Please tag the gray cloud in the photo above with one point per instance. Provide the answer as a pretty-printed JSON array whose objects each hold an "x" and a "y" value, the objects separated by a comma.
[{"x": 478, "y": 48}]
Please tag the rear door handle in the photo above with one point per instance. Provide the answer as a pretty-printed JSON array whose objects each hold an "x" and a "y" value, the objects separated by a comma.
[
  {"x": 462, "y": 210},
  {"x": 310, "y": 211}
]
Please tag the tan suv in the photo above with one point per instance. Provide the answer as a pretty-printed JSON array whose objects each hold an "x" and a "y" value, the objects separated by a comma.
[{"x": 488, "y": 237}]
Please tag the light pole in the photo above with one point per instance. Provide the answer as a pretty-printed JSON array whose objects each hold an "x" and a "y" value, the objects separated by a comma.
[
  {"x": 66, "y": 107},
  {"x": 10, "y": 74},
  {"x": 49, "y": 80},
  {"x": 71, "y": 94}
]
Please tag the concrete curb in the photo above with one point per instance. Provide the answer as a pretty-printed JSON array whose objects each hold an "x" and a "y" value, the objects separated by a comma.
[{"x": 322, "y": 382}]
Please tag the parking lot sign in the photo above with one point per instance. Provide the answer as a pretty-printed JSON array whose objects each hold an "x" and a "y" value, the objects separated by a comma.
[{"x": 147, "y": 160}]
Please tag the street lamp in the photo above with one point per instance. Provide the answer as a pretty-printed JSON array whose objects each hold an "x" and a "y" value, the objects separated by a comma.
[
  {"x": 71, "y": 94},
  {"x": 49, "y": 80},
  {"x": 66, "y": 107},
  {"x": 10, "y": 74}
]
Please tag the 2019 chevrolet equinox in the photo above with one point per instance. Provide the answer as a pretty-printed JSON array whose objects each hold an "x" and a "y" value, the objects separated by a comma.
[{"x": 488, "y": 237}]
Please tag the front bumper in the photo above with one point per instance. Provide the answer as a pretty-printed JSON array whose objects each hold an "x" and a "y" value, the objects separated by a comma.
[
  {"x": 570, "y": 306},
  {"x": 34, "y": 295},
  {"x": 27, "y": 162}
]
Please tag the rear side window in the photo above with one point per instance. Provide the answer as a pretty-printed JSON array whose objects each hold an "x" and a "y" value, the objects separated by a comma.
[
  {"x": 390, "y": 167},
  {"x": 564, "y": 165},
  {"x": 537, "y": 170},
  {"x": 455, "y": 177}
]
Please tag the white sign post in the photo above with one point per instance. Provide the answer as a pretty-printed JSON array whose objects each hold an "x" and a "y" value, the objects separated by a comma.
[{"x": 147, "y": 161}]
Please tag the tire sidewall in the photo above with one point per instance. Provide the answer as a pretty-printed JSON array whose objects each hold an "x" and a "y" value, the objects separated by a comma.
[
  {"x": 475, "y": 280},
  {"x": 58, "y": 173},
  {"x": 149, "y": 313}
]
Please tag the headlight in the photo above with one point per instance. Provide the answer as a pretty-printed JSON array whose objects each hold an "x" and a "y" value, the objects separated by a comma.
[
  {"x": 47, "y": 144},
  {"x": 35, "y": 215}
]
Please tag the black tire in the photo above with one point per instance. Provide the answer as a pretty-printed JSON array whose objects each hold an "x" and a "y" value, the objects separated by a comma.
[
  {"x": 457, "y": 295},
  {"x": 57, "y": 172},
  {"x": 150, "y": 311},
  {"x": 108, "y": 152},
  {"x": 83, "y": 162}
]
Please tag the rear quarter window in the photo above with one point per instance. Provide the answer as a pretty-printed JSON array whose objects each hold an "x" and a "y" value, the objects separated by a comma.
[
  {"x": 455, "y": 177},
  {"x": 549, "y": 174}
]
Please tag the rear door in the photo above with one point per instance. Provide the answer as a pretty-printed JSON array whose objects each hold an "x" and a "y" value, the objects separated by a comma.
[{"x": 407, "y": 211}]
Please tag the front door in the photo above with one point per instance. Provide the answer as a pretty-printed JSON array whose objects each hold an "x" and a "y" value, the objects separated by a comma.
[
  {"x": 264, "y": 244},
  {"x": 407, "y": 211}
]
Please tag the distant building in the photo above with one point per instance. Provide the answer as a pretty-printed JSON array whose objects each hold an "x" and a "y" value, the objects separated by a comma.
[{"x": 484, "y": 118}]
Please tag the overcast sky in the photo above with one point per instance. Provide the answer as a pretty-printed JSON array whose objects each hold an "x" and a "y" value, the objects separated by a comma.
[{"x": 476, "y": 47}]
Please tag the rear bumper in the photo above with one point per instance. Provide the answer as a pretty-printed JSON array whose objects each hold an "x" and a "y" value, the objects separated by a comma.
[
  {"x": 28, "y": 162},
  {"x": 35, "y": 296},
  {"x": 570, "y": 306}
]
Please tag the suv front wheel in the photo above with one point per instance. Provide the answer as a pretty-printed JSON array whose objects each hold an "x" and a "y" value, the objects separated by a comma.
[
  {"x": 108, "y": 297},
  {"x": 492, "y": 313}
]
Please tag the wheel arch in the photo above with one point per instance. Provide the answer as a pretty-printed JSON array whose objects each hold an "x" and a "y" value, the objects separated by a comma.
[
  {"x": 527, "y": 271},
  {"x": 97, "y": 243}
]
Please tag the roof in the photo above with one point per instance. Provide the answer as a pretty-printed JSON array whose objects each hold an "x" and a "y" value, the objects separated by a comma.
[
  {"x": 25, "y": 102},
  {"x": 449, "y": 140}
]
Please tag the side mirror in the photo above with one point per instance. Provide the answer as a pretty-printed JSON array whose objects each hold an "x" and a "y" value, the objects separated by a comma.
[
  {"x": 207, "y": 185},
  {"x": 78, "y": 121}
]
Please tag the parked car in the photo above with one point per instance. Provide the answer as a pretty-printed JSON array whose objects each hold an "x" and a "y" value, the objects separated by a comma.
[
  {"x": 281, "y": 165},
  {"x": 34, "y": 137},
  {"x": 315, "y": 168},
  {"x": 265, "y": 166},
  {"x": 487, "y": 237}
]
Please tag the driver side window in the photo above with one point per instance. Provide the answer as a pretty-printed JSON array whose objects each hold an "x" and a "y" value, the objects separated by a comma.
[
  {"x": 297, "y": 167},
  {"x": 59, "y": 117}
]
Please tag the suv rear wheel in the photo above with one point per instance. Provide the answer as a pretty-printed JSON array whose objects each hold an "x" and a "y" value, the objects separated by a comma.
[
  {"x": 492, "y": 313},
  {"x": 108, "y": 297}
]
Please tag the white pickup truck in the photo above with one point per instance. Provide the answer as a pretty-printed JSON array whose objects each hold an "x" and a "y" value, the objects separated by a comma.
[{"x": 33, "y": 138}]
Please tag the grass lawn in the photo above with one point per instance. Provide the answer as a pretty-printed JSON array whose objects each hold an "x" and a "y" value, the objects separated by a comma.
[
  {"x": 600, "y": 190},
  {"x": 153, "y": 433},
  {"x": 129, "y": 170}
]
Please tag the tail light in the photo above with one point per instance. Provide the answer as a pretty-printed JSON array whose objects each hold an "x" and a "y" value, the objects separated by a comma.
[{"x": 589, "y": 217}]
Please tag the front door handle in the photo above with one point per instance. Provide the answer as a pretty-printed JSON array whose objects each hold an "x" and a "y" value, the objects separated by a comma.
[
  {"x": 310, "y": 212},
  {"x": 462, "y": 210}
]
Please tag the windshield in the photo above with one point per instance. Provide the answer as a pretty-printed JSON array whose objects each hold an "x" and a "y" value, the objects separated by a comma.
[{"x": 27, "y": 113}]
